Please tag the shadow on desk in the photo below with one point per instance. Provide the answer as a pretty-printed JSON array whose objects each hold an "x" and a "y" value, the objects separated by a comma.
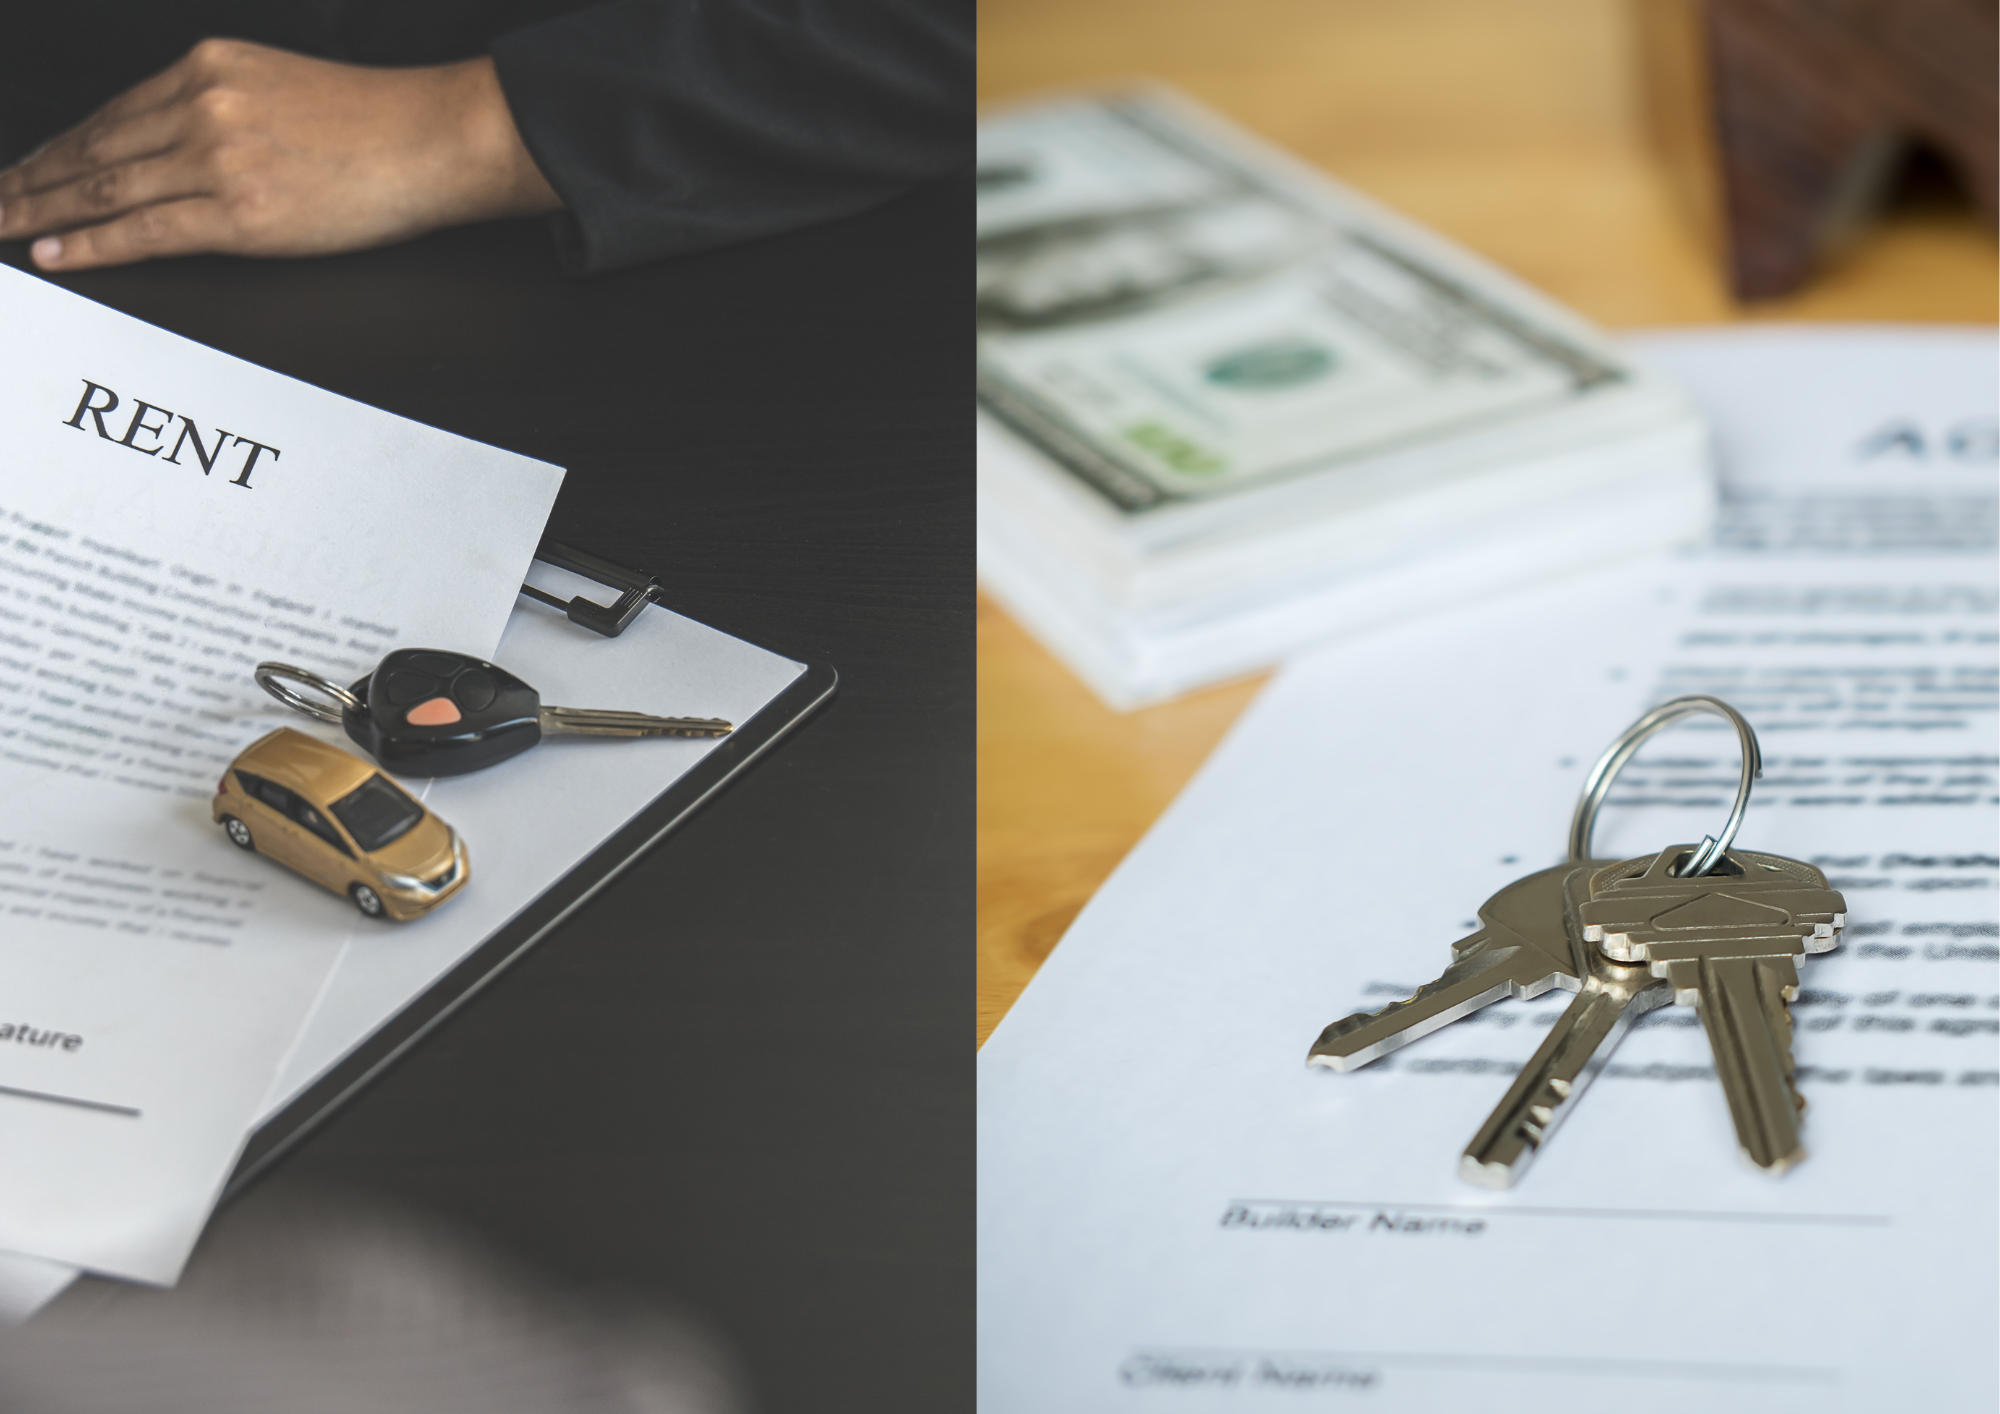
[{"x": 318, "y": 1303}]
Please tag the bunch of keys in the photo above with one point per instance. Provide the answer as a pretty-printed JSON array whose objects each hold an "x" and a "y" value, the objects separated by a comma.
[
  {"x": 1701, "y": 925},
  {"x": 427, "y": 712}
]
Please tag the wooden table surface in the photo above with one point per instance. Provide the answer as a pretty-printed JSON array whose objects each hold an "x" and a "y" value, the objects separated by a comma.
[{"x": 1513, "y": 126}]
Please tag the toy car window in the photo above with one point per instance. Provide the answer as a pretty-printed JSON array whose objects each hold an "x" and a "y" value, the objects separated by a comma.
[
  {"x": 320, "y": 826},
  {"x": 377, "y": 814},
  {"x": 275, "y": 796}
]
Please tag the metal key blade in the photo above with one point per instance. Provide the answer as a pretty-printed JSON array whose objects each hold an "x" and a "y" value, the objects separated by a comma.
[
  {"x": 1549, "y": 1085},
  {"x": 1523, "y": 950},
  {"x": 1465, "y": 987},
  {"x": 578, "y": 721},
  {"x": 1742, "y": 1001},
  {"x": 1728, "y": 943}
]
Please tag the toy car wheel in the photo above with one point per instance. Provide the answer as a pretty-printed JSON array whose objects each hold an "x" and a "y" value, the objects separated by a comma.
[
  {"x": 238, "y": 832},
  {"x": 367, "y": 900}
]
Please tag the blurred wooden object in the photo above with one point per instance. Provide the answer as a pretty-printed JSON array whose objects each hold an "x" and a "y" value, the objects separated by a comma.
[
  {"x": 1785, "y": 122},
  {"x": 1513, "y": 126}
]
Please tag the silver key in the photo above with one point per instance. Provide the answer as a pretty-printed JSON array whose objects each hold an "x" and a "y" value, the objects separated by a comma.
[
  {"x": 579, "y": 721},
  {"x": 1578, "y": 1046},
  {"x": 1728, "y": 944},
  {"x": 1522, "y": 951}
]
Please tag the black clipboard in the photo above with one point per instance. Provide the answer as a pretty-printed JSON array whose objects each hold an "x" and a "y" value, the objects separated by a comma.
[{"x": 424, "y": 1012}]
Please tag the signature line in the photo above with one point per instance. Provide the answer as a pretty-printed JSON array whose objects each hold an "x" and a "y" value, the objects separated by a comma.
[
  {"x": 69, "y": 1100},
  {"x": 1643, "y": 1214}
]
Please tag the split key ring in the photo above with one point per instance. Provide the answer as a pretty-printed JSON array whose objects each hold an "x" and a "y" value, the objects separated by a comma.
[
  {"x": 1598, "y": 784},
  {"x": 270, "y": 677}
]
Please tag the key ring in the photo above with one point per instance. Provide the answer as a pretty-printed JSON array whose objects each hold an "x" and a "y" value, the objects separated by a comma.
[
  {"x": 1598, "y": 784},
  {"x": 268, "y": 675}
]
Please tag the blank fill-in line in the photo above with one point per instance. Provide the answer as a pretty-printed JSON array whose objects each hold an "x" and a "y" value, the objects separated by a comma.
[
  {"x": 1521, "y": 1364},
  {"x": 71, "y": 1100},
  {"x": 1687, "y": 1215}
]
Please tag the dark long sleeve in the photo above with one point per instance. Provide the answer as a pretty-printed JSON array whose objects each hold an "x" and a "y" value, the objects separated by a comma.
[{"x": 671, "y": 126}]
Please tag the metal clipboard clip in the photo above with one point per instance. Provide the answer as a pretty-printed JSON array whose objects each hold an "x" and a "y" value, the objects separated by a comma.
[{"x": 635, "y": 590}]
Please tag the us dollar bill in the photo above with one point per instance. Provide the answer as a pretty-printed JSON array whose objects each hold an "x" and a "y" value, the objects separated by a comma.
[{"x": 1171, "y": 321}]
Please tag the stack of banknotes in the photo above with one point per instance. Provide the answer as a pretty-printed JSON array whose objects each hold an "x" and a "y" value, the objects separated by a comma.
[{"x": 1229, "y": 407}]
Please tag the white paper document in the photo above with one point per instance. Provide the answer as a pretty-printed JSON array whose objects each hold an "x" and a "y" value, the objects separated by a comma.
[
  {"x": 527, "y": 823},
  {"x": 169, "y": 516},
  {"x": 29, "y": 1283},
  {"x": 1177, "y": 1214}
]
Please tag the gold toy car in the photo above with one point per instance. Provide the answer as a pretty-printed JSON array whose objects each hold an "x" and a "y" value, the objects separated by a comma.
[{"x": 340, "y": 822}]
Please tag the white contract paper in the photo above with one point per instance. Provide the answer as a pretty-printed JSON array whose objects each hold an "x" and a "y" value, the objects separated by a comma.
[
  {"x": 527, "y": 825},
  {"x": 1177, "y": 1214},
  {"x": 169, "y": 516}
]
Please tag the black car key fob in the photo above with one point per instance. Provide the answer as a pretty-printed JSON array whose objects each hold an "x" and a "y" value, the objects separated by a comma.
[
  {"x": 430, "y": 712},
  {"x": 427, "y": 712}
]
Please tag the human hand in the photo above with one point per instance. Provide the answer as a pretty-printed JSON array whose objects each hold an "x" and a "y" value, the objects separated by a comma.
[{"x": 249, "y": 150}]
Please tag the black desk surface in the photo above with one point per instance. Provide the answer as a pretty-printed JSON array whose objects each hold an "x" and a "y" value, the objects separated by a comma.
[{"x": 741, "y": 1079}]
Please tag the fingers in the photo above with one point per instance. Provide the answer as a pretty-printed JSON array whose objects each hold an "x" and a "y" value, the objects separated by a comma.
[
  {"x": 102, "y": 194},
  {"x": 162, "y": 89},
  {"x": 92, "y": 147},
  {"x": 148, "y": 118},
  {"x": 200, "y": 66},
  {"x": 129, "y": 169},
  {"x": 182, "y": 227}
]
